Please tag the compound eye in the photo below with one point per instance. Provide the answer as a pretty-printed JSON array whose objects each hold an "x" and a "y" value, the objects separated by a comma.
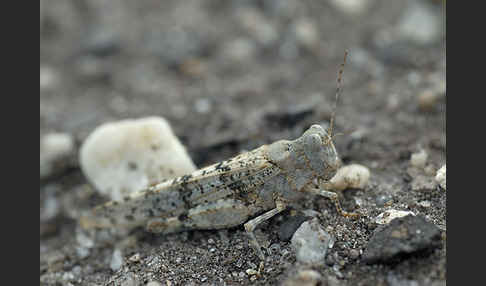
[{"x": 313, "y": 141}]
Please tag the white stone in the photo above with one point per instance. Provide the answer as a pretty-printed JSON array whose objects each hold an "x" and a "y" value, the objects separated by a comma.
[
  {"x": 127, "y": 156},
  {"x": 305, "y": 277},
  {"x": 238, "y": 50},
  {"x": 419, "y": 24},
  {"x": 202, "y": 105},
  {"x": 306, "y": 33},
  {"x": 351, "y": 6},
  {"x": 49, "y": 78},
  {"x": 428, "y": 98},
  {"x": 257, "y": 26},
  {"x": 116, "y": 260},
  {"x": 54, "y": 147},
  {"x": 82, "y": 252},
  {"x": 352, "y": 176},
  {"x": 311, "y": 242},
  {"x": 51, "y": 209},
  {"x": 387, "y": 216},
  {"x": 419, "y": 159},
  {"x": 425, "y": 204},
  {"x": 440, "y": 177}
]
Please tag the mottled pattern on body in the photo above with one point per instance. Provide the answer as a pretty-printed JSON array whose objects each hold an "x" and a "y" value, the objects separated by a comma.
[{"x": 261, "y": 182}]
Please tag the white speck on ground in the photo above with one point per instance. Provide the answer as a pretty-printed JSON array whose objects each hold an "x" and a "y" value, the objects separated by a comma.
[
  {"x": 419, "y": 24},
  {"x": 440, "y": 177},
  {"x": 116, "y": 260},
  {"x": 389, "y": 215},
  {"x": 54, "y": 148},
  {"x": 351, "y": 176},
  {"x": 419, "y": 159}
]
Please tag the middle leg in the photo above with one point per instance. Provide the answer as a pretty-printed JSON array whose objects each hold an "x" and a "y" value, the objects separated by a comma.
[{"x": 252, "y": 224}]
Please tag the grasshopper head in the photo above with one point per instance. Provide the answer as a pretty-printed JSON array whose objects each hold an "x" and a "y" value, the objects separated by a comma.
[
  {"x": 320, "y": 151},
  {"x": 311, "y": 156}
]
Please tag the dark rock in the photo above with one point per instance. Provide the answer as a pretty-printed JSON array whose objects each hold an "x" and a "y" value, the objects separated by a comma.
[
  {"x": 401, "y": 237},
  {"x": 289, "y": 226}
]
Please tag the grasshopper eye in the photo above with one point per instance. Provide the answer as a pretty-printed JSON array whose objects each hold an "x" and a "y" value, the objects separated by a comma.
[{"x": 313, "y": 141}]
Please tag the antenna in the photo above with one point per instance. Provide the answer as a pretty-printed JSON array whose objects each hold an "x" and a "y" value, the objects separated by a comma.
[{"x": 338, "y": 90}]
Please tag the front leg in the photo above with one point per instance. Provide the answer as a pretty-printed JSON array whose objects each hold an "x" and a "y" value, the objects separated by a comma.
[
  {"x": 251, "y": 225},
  {"x": 330, "y": 195}
]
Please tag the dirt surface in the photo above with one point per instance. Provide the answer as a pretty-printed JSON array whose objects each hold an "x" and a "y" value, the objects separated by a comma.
[{"x": 231, "y": 76}]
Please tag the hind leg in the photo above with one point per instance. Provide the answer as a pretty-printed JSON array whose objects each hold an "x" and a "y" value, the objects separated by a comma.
[
  {"x": 251, "y": 225},
  {"x": 214, "y": 215}
]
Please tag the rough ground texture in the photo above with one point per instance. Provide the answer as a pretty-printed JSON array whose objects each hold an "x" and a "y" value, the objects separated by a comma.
[{"x": 231, "y": 76}]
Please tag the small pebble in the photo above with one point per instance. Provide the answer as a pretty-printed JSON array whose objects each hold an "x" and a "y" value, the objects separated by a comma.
[
  {"x": 428, "y": 99},
  {"x": 440, "y": 177},
  {"x": 82, "y": 252},
  {"x": 238, "y": 50},
  {"x": 311, "y": 242},
  {"x": 51, "y": 209},
  {"x": 425, "y": 204},
  {"x": 389, "y": 215},
  {"x": 419, "y": 159},
  {"x": 257, "y": 26},
  {"x": 83, "y": 239},
  {"x": 352, "y": 176},
  {"x": 429, "y": 170},
  {"x": 353, "y": 254},
  {"x": 351, "y": 7},
  {"x": 135, "y": 257},
  {"x": 131, "y": 281},
  {"x": 421, "y": 181},
  {"x": 306, "y": 33},
  {"x": 55, "y": 149},
  {"x": 304, "y": 278},
  {"x": 123, "y": 157},
  {"x": 49, "y": 78},
  {"x": 202, "y": 105},
  {"x": 116, "y": 260},
  {"x": 419, "y": 24}
]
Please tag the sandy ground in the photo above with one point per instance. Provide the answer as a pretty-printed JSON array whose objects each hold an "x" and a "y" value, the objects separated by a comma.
[{"x": 231, "y": 76}]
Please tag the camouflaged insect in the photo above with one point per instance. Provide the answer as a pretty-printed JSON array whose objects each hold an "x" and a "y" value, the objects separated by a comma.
[{"x": 249, "y": 188}]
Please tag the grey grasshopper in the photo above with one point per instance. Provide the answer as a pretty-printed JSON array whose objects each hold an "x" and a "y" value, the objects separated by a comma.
[{"x": 247, "y": 189}]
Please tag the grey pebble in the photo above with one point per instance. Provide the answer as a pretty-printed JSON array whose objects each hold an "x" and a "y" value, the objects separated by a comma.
[{"x": 311, "y": 242}]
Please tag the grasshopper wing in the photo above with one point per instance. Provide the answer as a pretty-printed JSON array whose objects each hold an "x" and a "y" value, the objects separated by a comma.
[{"x": 175, "y": 197}]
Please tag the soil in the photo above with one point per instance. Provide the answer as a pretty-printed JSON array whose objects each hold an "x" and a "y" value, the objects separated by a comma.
[{"x": 231, "y": 76}]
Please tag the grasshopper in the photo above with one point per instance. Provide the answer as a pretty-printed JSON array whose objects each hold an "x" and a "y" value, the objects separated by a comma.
[{"x": 247, "y": 189}]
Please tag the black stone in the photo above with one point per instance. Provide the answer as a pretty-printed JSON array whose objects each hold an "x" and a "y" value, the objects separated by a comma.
[
  {"x": 402, "y": 237},
  {"x": 290, "y": 225}
]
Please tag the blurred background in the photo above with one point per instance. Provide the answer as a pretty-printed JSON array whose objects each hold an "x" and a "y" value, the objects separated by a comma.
[
  {"x": 225, "y": 70},
  {"x": 233, "y": 75}
]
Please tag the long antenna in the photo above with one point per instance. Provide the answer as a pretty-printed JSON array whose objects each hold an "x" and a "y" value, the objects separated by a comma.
[{"x": 338, "y": 90}]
